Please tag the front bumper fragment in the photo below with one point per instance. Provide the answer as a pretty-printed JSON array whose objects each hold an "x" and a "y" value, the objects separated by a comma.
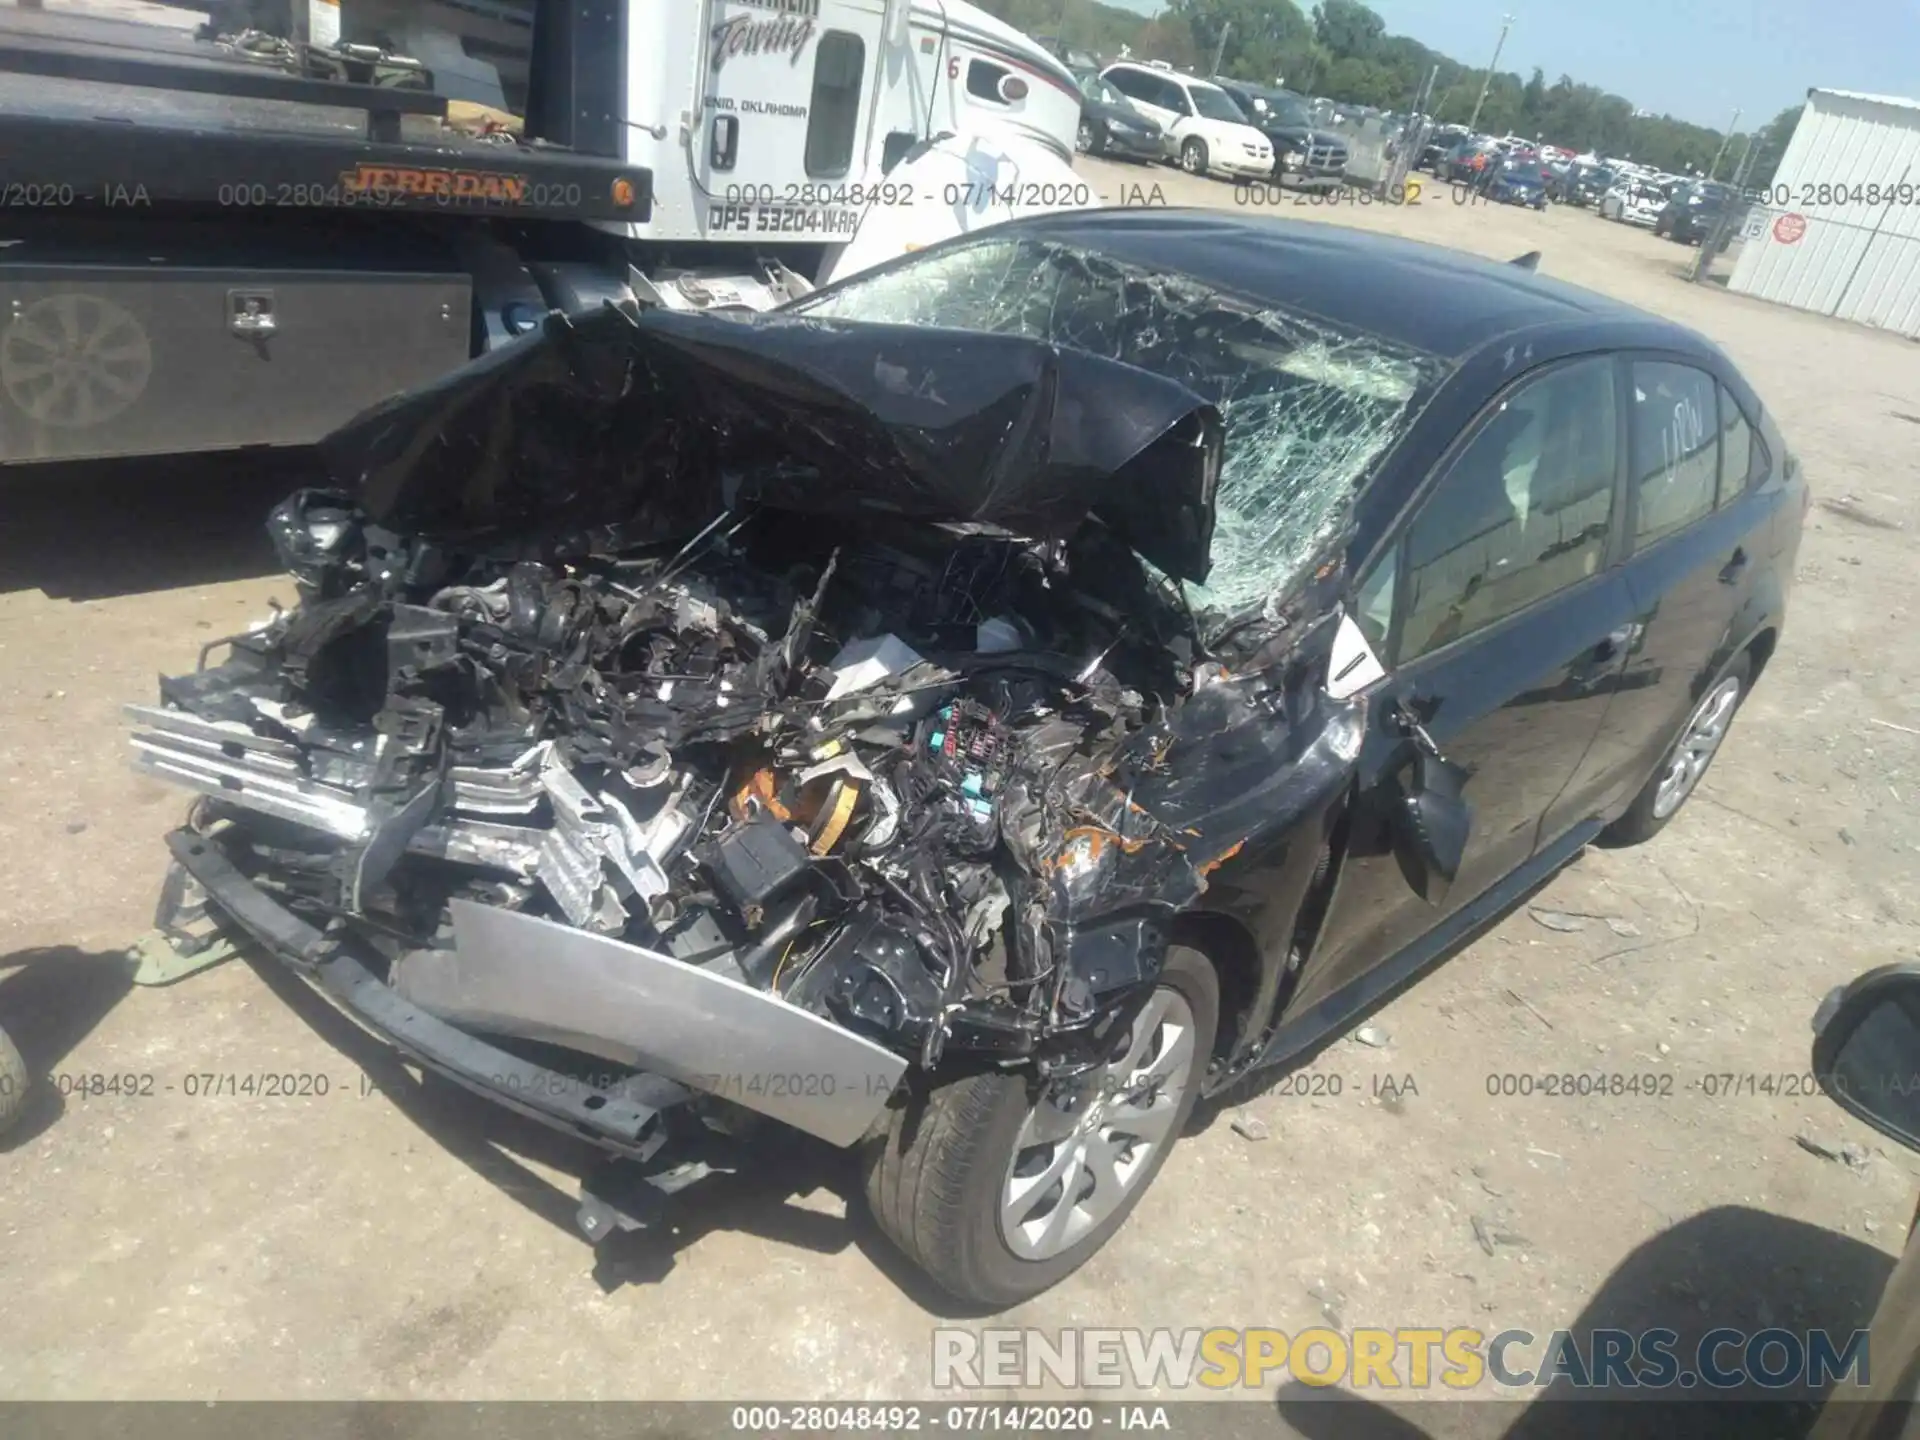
[
  {"x": 627, "y": 1120},
  {"x": 514, "y": 974}
]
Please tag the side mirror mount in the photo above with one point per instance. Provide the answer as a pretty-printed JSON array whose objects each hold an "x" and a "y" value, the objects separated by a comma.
[
  {"x": 1866, "y": 1050},
  {"x": 1432, "y": 816}
]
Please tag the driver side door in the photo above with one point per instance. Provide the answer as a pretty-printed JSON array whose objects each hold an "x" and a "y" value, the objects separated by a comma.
[{"x": 1502, "y": 616}]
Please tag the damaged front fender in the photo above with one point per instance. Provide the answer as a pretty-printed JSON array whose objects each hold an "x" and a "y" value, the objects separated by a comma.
[{"x": 1221, "y": 807}]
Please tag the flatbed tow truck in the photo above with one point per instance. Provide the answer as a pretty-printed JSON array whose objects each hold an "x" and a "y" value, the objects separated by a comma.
[{"x": 212, "y": 240}]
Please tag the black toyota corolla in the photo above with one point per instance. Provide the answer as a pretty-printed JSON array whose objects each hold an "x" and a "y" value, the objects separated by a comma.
[{"x": 1012, "y": 696}]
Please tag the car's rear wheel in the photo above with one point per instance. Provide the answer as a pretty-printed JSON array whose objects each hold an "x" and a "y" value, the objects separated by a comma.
[
  {"x": 1668, "y": 788},
  {"x": 1193, "y": 157},
  {"x": 999, "y": 1187}
]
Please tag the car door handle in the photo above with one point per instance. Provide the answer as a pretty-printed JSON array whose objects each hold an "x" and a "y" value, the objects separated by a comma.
[{"x": 1730, "y": 572}]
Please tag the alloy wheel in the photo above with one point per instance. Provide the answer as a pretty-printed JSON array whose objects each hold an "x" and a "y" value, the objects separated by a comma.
[
  {"x": 1706, "y": 728},
  {"x": 1084, "y": 1146}
]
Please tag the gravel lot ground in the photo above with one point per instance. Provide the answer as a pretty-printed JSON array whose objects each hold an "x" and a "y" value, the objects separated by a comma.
[{"x": 416, "y": 1243}]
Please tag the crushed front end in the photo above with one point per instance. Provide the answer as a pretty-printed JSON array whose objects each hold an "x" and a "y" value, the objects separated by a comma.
[{"x": 761, "y": 760}]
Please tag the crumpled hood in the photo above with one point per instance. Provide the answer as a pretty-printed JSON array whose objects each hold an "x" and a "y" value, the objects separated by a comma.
[{"x": 602, "y": 425}]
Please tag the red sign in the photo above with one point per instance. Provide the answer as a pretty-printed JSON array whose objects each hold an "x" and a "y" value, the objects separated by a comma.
[{"x": 1789, "y": 228}]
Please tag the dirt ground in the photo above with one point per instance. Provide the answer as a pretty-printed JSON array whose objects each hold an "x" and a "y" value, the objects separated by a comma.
[{"x": 416, "y": 1243}]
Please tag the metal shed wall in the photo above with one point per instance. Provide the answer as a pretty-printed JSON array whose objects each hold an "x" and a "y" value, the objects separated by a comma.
[{"x": 1850, "y": 184}]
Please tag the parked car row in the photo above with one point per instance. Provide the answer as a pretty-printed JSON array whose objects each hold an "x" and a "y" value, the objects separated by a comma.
[
  {"x": 1207, "y": 132},
  {"x": 1512, "y": 176},
  {"x": 1673, "y": 207},
  {"x": 1152, "y": 113},
  {"x": 1136, "y": 111}
]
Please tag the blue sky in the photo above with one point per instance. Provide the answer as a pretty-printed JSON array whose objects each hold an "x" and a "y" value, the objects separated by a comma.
[{"x": 1693, "y": 59}]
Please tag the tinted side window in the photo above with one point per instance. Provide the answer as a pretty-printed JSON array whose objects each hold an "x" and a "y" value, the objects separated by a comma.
[
  {"x": 833, "y": 120},
  {"x": 1525, "y": 511},
  {"x": 1676, "y": 462},
  {"x": 1174, "y": 97},
  {"x": 1736, "y": 450},
  {"x": 1132, "y": 83}
]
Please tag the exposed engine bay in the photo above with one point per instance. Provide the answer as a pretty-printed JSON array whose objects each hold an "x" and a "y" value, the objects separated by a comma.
[{"x": 935, "y": 783}]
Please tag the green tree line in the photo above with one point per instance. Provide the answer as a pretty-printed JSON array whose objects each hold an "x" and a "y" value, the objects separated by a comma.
[{"x": 1341, "y": 49}]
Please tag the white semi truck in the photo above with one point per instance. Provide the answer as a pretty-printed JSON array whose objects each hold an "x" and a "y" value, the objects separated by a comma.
[{"x": 243, "y": 235}]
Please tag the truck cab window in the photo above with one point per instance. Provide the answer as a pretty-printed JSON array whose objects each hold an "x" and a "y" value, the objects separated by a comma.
[
  {"x": 833, "y": 118},
  {"x": 983, "y": 81}
]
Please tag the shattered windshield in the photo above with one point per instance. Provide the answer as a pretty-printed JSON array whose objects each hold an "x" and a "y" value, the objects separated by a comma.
[{"x": 1307, "y": 407}]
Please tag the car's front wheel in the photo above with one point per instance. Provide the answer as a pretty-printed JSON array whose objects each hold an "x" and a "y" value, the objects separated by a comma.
[
  {"x": 1193, "y": 157},
  {"x": 1087, "y": 141},
  {"x": 1692, "y": 752},
  {"x": 999, "y": 1187}
]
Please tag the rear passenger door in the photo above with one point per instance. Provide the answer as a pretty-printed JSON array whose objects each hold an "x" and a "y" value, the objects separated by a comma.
[{"x": 1697, "y": 544}]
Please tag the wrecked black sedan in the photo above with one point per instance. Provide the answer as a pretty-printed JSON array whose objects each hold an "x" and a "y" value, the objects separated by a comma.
[{"x": 981, "y": 711}]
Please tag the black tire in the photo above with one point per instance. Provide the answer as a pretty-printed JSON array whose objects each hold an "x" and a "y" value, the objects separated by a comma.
[
  {"x": 1194, "y": 158},
  {"x": 1639, "y": 824},
  {"x": 14, "y": 1084},
  {"x": 1092, "y": 140},
  {"x": 933, "y": 1180}
]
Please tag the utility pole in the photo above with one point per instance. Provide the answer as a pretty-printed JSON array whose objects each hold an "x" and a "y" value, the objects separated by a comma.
[
  {"x": 1425, "y": 96},
  {"x": 1220, "y": 49},
  {"x": 1506, "y": 23},
  {"x": 1725, "y": 140}
]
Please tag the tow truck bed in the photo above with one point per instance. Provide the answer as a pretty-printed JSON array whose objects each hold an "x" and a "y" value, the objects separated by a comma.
[{"x": 161, "y": 290}]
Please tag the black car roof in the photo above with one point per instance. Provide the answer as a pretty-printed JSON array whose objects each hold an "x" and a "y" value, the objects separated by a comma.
[{"x": 1428, "y": 297}]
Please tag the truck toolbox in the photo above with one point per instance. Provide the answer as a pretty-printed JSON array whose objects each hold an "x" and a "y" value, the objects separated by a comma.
[{"x": 109, "y": 359}]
